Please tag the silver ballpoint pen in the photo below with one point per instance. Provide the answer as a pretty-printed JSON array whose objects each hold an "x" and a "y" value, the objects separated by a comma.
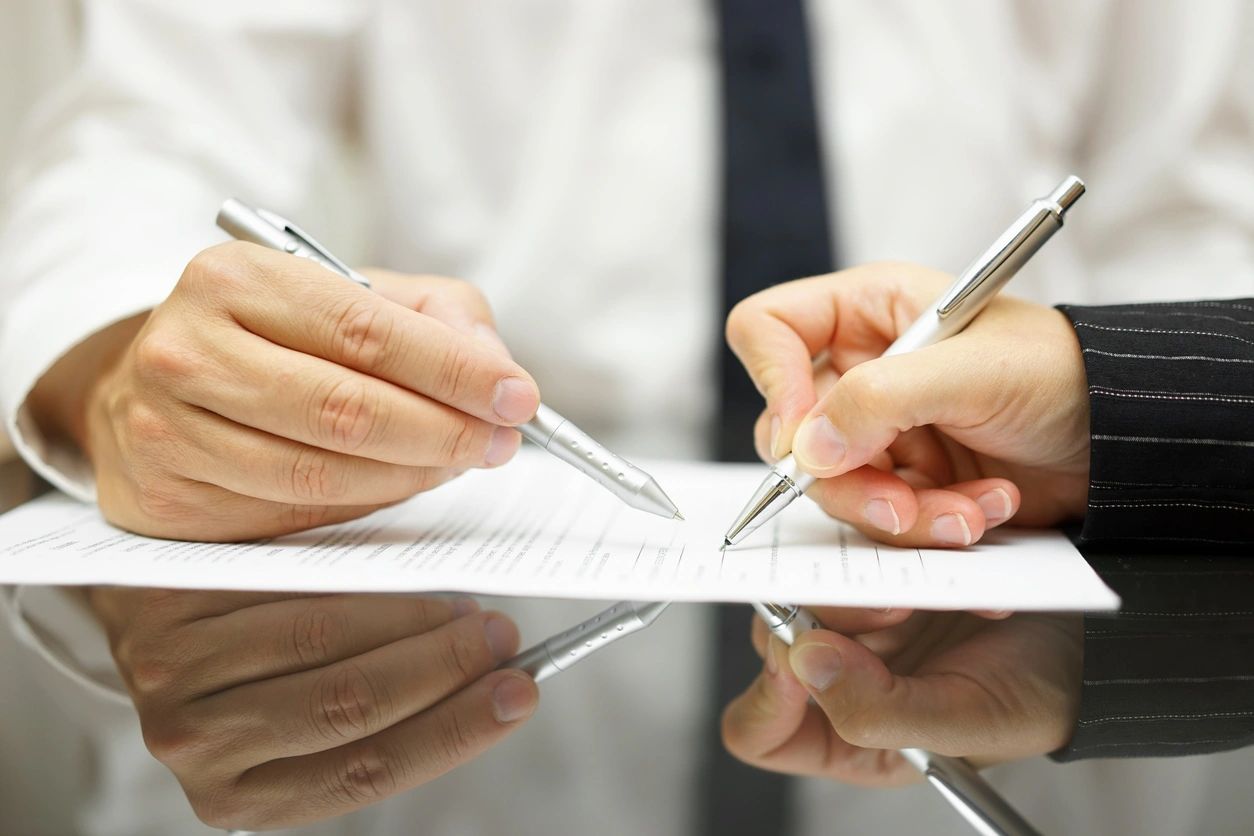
[{"x": 548, "y": 430}]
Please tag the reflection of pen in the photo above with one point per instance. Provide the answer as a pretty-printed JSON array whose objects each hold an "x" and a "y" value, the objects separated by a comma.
[
  {"x": 955, "y": 309},
  {"x": 551, "y": 431}
]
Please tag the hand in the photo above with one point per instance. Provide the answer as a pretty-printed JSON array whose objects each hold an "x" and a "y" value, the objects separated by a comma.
[
  {"x": 929, "y": 448},
  {"x": 278, "y": 710},
  {"x": 267, "y": 394},
  {"x": 950, "y": 682}
]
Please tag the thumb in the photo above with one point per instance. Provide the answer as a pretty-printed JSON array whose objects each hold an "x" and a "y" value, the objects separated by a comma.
[
  {"x": 871, "y": 708},
  {"x": 875, "y": 401}
]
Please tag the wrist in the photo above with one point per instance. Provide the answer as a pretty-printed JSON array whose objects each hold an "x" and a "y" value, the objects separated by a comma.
[{"x": 61, "y": 399}]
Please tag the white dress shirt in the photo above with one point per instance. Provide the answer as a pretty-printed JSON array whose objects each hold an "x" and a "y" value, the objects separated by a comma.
[{"x": 562, "y": 155}]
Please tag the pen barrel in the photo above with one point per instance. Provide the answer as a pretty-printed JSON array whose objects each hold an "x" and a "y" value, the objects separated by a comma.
[
  {"x": 786, "y": 621},
  {"x": 967, "y": 792},
  {"x": 569, "y": 647},
  {"x": 567, "y": 442}
]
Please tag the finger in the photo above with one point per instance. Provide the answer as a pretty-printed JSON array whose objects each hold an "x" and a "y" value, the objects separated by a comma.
[
  {"x": 769, "y": 713},
  {"x": 776, "y": 339},
  {"x": 300, "y": 305},
  {"x": 456, "y": 303},
  {"x": 413, "y": 752},
  {"x": 275, "y": 638},
  {"x": 854, "y": 314},
  {"x": 875, "y": 401},
  {"x": 324, "y": 708},
  {"x": 253, "y": 382},
  {"x": 870, "y": 707},
  {"x": 998, "y": 499},
  {"x": 941, "y": 518},
  {"x": 852, "y": 621},
  {"x": 773, "y": 726},
  {"x": 189, "y": 510},
  {"x": 869, "y": 498},
  {"x": 252, "y": 463}
]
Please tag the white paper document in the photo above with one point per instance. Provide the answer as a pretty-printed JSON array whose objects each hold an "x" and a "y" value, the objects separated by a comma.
[{"x": 538, "y": 528}]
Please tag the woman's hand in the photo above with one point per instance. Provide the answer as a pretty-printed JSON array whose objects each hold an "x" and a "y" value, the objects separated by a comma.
[
  {"x": 953, "y": 683},
  {"x": 928, "y": 448}
]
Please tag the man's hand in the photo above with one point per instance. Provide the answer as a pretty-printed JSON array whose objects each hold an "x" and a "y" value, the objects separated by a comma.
[
  {"x": 276, "y": 710},
  {"x": 267, "y": 394},
  {"x": 952, "y": 683},
  {"x": 929, "y": 448}
]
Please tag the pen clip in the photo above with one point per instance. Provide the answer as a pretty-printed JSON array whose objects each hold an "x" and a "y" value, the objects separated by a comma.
[{"x": 311, "y": 243}]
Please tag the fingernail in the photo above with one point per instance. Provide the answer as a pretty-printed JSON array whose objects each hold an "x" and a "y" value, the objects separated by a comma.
[
  {"x": 996, "y": 506},
  {"x": 486, "y": 333},
  {"x": 512, "y": 700},
  {"x": 817, "y": 665},
  {"x": 952, "y": 530},
  {"x": 500, "y": 635},
  {"x": 819, "y": 444},
  {"x": 502, "y": 447},
  {"x": 881, "y": 514},
  {"x": 772, "y": 664},
  {"x": 515, "y": 400},
  {"x": 464, "y": 606},
  {"x": 776, "y": 426}
]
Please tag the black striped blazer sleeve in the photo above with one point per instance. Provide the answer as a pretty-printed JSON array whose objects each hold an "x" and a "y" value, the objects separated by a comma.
[{"x": 1170, "y": 526}]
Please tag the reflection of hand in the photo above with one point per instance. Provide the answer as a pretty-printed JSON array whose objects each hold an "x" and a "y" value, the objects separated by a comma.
[
  {"x": 927, "y": 448},
  {"x": 949, "y": 682},
  {"x": 267, "y": 394},
  {"x": 274, "y": 710}
]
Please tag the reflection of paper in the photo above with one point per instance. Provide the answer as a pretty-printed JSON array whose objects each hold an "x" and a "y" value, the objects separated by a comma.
[{"x": 538, "y": 528}]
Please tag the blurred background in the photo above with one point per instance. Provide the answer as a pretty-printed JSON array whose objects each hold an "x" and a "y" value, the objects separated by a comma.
[{"x": 36, "y": 47}]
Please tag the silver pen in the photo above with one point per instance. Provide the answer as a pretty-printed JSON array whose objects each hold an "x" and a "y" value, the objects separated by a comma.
[
  {"x": 549, "y": 430},
  {"x": 952, "y": 312}
]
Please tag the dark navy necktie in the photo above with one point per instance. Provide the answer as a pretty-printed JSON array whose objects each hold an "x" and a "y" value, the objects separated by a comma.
[{"x": 774, "y": 228}]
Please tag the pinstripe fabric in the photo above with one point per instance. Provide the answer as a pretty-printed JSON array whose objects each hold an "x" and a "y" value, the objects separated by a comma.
[{"x": 1170, "y": 526}]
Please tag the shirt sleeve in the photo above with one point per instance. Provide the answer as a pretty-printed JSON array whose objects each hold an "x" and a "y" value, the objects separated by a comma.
[
  {"x": 1169, "y": 524},
  {"x": 172, "y": 108}
]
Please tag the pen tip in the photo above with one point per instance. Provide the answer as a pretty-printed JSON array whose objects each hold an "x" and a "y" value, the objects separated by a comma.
[
  {"x": 726, "y": 543},
  {"x": 679, "y": 516}
]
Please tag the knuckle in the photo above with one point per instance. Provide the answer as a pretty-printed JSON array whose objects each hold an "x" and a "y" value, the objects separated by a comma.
[
  {"x": 360, "y": 335},
  {"x": 736, "y": 329},
  {"x": 301, "y": 517},
  {"x": 161, "y": 355},
  {"x": 146, "y": 426},
  {"x": 455, "y": 374},
  {"x": 315, "y": 634},
  {"x": 151, "y": 675},
  {"x": 178, "y": 743},
  {"x": 312, "y": 479},
  {"x": 455, "y": 739},
  {"x": 463, "y": 443},
  {"x": 345, "y": 415},
  {"x": 863, "y": 388},
  {"x": 215, "y": 266},
  {"x": 156, "y": 503},
  {"x": 347, "y": 704},
  {"x": 858, "y": 729},
  {"x": 367, "y": 775},
  {"x": 224, "y": 810},
  {"x": 462, "y": 658}
]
